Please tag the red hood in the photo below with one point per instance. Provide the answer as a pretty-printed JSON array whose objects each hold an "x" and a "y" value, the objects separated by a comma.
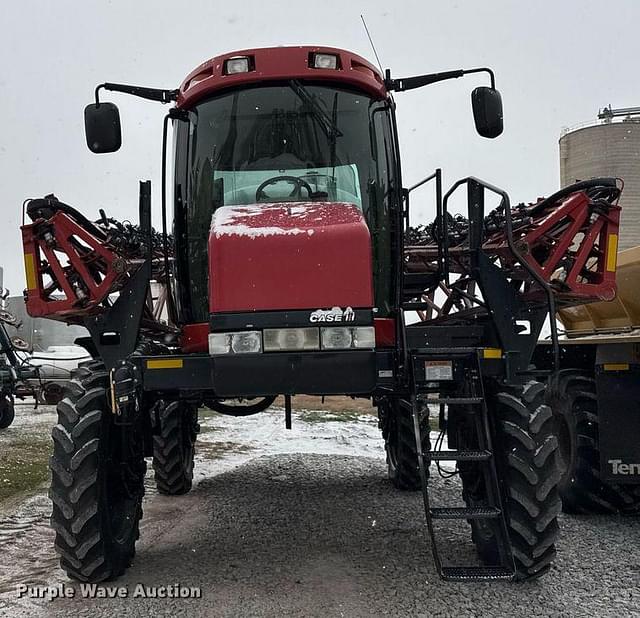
[{"x": 289, "y": 255}]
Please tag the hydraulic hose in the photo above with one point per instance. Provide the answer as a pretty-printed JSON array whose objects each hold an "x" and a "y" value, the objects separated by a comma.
[
  {"x": 583, "y": 185},
  {"x": 46, "y": 207}
]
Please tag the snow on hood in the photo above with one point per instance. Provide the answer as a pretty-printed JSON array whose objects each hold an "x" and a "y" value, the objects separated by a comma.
[{"x": 281, "y": 218}]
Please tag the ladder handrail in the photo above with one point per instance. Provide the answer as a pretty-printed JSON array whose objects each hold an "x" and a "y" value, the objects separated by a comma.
[{"x": 506, "y": 205}]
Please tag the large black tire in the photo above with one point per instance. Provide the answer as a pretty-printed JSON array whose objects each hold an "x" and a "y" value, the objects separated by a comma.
[
  {"x": 97, "y": 499},
  {"x": 525, "y": 445},
  {"x": 582, "y": 489},
  {"x": 400, "y": 444},
  {"x": 7, "y": 412},
  {"x": 174, "y": 446}
]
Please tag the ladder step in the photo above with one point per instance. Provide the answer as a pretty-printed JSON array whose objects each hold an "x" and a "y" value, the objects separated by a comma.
[
  {"x": 476, "y": 573},
  {"x": 465, "y": 512},
  {"x": 458, "y": 455},
  {"x": 454, "y": 400}
]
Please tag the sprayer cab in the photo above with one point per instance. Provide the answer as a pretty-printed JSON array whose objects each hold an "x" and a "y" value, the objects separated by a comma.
[{"x": 303, "y": 125}]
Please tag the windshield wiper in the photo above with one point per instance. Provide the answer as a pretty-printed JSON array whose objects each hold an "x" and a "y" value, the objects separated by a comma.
[{"x": 327, "y": 125}]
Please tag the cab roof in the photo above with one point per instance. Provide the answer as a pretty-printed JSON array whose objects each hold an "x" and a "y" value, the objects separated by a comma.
[{"x": 280, "y": 64}]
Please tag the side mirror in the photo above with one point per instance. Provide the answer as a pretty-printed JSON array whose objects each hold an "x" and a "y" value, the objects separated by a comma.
[
  {"x": 487, "y": 111},
  {"x": 102, "y": 127}
]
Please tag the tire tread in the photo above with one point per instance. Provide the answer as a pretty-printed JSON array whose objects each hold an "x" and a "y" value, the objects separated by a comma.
[{"x": 82, "y": 542}]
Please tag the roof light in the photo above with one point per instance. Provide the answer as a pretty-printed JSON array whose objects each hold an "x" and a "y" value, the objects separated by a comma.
[
  {"x": 240, "y": 64},
  {"x": 324, "y": 61}
]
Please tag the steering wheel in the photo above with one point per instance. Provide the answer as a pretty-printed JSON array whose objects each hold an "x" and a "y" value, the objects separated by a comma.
[{"x": 300, "y": 184}]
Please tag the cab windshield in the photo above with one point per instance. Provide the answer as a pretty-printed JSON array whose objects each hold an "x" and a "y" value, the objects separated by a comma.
[{"x": 286, "y": 142}]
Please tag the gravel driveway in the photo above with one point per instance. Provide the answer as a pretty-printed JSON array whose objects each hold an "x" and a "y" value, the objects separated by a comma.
[{"x": 307, "y": 534}]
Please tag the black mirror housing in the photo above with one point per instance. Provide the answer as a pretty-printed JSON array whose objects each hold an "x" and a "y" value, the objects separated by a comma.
[
  {"x": 487, "y": 111},
  {"x": 102, "y": 127}
]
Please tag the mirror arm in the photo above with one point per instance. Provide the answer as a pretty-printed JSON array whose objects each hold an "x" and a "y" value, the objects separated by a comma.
[
  {"x": 492, "y": 77},
  {"x": 153, "y": 94},
  {"x": 409, "y": 83}
]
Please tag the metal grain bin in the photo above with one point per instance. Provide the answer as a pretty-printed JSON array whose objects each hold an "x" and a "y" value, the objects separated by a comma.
[{"x": 609, "y": 148}]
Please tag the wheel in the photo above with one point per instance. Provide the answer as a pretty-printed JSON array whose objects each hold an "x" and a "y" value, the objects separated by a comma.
[
  {"x": 7, "y": 412},
  {"x": 525, "y": 445},
  {"x": 582, "y": 490},
  {"x": 52, "y": 393},
  {"x": 97, "y": 483},
  {"x": 400, "y": 444},
  {"x": 174, "y": 446}
]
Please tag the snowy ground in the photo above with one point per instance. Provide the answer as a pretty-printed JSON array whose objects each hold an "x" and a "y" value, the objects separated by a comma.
[
  {"x": 224, "y": 443},
  {"x": 303, "y": 523}
]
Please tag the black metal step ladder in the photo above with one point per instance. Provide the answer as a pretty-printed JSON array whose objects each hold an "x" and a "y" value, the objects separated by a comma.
[{"x": 483, "y": 455}]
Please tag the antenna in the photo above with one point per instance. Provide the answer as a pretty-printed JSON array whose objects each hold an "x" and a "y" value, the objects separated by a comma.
[{"x": 373, "y": 47}]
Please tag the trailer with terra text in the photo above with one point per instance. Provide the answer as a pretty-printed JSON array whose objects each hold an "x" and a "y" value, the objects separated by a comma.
[
  {"x": 287, "y": 268},
  {"x": 598, "y": 397}
]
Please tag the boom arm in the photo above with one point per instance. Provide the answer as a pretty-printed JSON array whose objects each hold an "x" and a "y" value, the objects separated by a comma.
[
  {"x": 75, "y": 267},
  {"x": 568, "y": 240}
]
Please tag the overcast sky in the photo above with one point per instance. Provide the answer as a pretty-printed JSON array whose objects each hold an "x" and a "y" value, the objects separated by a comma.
[{"x": 556, "y": 63}]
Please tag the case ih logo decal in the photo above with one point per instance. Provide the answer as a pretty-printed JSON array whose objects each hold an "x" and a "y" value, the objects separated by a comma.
[
  {"x": 623, "y": 468},
  {"x": 336, "y": 314}
]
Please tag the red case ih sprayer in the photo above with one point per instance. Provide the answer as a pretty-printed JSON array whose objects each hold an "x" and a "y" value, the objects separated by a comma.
[{"x": 289, "y": 269}]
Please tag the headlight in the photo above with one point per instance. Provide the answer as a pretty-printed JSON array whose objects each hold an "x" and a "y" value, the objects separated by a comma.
[
  {"x": 291, "y": 339},
  {"x": 281, "y": 339},
  {"x": 342, "y": 338},
  {"x": 246, "y": 342},
  {"x": 336, "y": 338},
  {"x": 364, "y": 336}
]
